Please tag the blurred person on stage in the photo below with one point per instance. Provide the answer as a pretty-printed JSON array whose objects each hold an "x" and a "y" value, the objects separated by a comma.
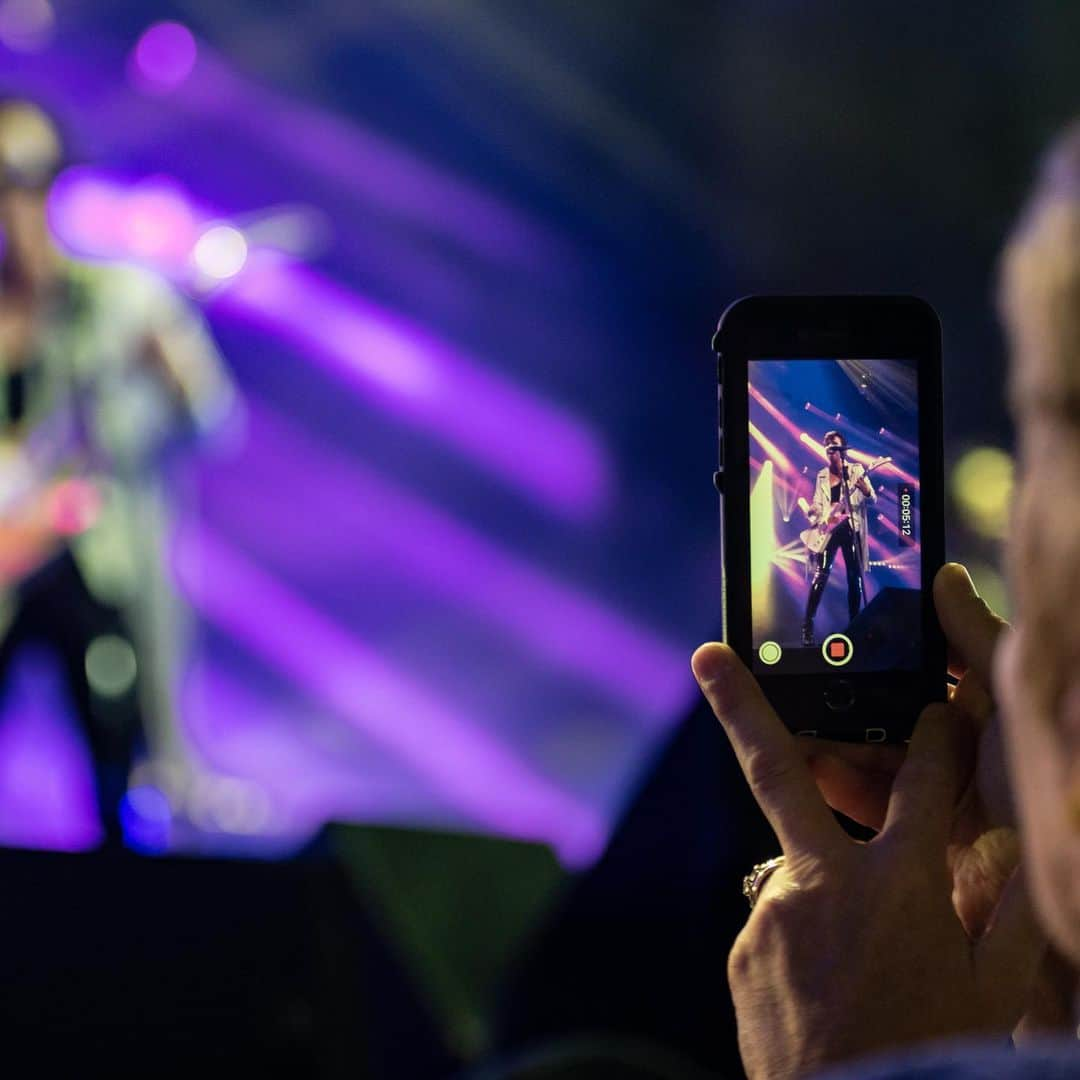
[
  {"x": 920, "y": 952},
  {"x": 102, "y": 368}
]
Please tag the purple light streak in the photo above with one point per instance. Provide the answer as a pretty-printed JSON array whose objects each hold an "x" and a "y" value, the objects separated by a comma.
[
  {"x": 382, "y": 176},
  {"x": 791, "y": 428},
  {"x": 532, "y": 445},
  {"x": 529, "y": 444},
  {"x": 241, "y": 732},
  {"x": 903, "y": 444},
  {"x": 553, "y": 622},
  {"x": 469, "y": 767},
  {"x": 46, "y": 783}
]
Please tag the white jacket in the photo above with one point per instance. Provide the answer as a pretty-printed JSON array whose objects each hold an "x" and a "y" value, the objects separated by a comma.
[{"x": 822, "y": 504}]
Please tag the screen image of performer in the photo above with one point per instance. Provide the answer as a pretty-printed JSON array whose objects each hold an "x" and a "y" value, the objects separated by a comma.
[
  {"x": 101, "y": 368},
  {"x": 838, "y": 522}
]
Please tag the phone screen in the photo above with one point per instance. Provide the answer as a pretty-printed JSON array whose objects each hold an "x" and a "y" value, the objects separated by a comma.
[{"x": 835, "y": 551}]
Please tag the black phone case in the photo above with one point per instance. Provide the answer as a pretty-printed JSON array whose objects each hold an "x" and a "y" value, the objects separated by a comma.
[{"x": 861, "y": 706}]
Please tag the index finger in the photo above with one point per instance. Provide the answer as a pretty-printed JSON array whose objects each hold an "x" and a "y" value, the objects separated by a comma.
[{"x": 771, "y": 760}]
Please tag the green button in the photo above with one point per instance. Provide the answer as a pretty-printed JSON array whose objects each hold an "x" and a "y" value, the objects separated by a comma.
[{"x": 770, "y": 653}]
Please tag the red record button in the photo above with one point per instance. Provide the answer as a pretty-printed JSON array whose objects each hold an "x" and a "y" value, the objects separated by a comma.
[{"x": 837, "y": 650}]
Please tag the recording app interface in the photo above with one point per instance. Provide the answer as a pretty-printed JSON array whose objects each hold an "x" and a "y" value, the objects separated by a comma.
[{"x": 835, "y": 554}]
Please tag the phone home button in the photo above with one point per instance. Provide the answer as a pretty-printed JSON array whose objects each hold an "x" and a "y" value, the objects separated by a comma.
[{"x": 840, "y": 695}]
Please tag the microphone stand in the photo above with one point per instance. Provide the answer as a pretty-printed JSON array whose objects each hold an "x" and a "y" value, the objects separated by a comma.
[{"x": 845, "y": 487}]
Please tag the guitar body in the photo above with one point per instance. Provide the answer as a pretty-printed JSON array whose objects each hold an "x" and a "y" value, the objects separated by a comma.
[{"x": 816, "y": 538}]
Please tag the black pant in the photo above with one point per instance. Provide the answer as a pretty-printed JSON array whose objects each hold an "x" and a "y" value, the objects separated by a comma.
[
  {"x": 56, "y": 610},
  {"x": 843, "y": 540}
]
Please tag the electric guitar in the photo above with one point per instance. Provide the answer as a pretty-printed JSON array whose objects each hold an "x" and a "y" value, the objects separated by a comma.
[
  {"x": 816, "y": 538},
  {"x": 46, "y": 494}
]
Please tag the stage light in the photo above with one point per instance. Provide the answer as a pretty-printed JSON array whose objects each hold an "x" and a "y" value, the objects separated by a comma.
[
  {"x": 164, "y": 56},
  {"x": 982, "y": 484},
  {"x": 156, "y": 224},
  {"x": 791, "y": 428},
  {"x": 26, "y": 25},
  {"x": 891, "y": 466},
  {"x": 775, "y": 453},
  {"x": 441, "y": 742},
  {"x": 814, "y": 445},
  {"x": 111, "y": 666},
  {"x": 762, "y": 547},
  {"x": 221, "y": 252},
  {"x": 147, "y": 816}
]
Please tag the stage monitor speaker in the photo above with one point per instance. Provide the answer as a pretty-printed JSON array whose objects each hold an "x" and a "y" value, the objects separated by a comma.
[
  {"x": 459, "y": 907},
  {"x": 874, "y": 630}
]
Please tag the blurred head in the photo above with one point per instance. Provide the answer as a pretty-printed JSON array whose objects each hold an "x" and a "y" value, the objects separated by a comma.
[
  {"x": 31, "y": 152},
  {"x": 1038, "y": 670},
  {"x": 832, "y": 442}
]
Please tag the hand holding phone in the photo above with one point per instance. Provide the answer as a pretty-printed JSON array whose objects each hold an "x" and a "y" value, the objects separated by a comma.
[{"x": 832, "y": 480}]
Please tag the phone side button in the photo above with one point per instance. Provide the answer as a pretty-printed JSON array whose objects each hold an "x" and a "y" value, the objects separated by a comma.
[
  {"x": 718, "y": 481},
  {"x": 839, "y": 695}
]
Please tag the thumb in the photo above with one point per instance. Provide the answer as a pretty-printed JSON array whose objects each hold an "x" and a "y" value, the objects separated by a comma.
[{"x": 970, "y": 627}]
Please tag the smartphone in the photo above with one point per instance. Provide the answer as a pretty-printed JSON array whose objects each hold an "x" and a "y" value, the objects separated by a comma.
[{"x": 831, "y": 479}]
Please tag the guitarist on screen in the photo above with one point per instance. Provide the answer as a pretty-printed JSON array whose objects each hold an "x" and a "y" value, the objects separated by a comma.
[{"x": 837, "y": 523}]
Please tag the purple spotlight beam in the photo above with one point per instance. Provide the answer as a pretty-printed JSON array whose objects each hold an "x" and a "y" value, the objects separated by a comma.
[
  {"x": 554, "y": 622},
  {"x": 471, "y": 768},
  {"x": 530, "y": 444}
]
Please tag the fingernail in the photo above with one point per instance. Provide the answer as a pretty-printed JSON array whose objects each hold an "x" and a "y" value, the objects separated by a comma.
[
  {"x": 970, "y": 580},
  {"x": 709, "y": 662},
  {"x": 962, "y": 569}
]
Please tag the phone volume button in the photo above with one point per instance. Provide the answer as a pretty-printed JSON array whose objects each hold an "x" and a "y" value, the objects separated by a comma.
[{"x": 718, "y": 480}]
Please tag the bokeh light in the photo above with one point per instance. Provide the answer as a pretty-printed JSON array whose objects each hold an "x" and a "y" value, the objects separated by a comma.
[
  {"x": 164, "y": 56},
  {"x": 220, "y": 252},
  {"x": 111, "y": 666},
  {"x": 26, "y": 25},
  {"x": 982, "y": 485}
]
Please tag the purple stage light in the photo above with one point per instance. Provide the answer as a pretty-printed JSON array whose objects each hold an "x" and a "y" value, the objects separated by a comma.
[
  {"x": 530, "y": 444},
  {"x": 338, "y": 776},
  {"x": 164, "y": 57},
  {"x": 469, "y": 767},
  {"x": 46, "y": 782},
  {"x": 789, "y": 426},
  {"x": 374, "y": 172},
  {"x": 26, "y": 25},
  {"x": 555, "y": 624},
  {"x": 152, "y": 222}
]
